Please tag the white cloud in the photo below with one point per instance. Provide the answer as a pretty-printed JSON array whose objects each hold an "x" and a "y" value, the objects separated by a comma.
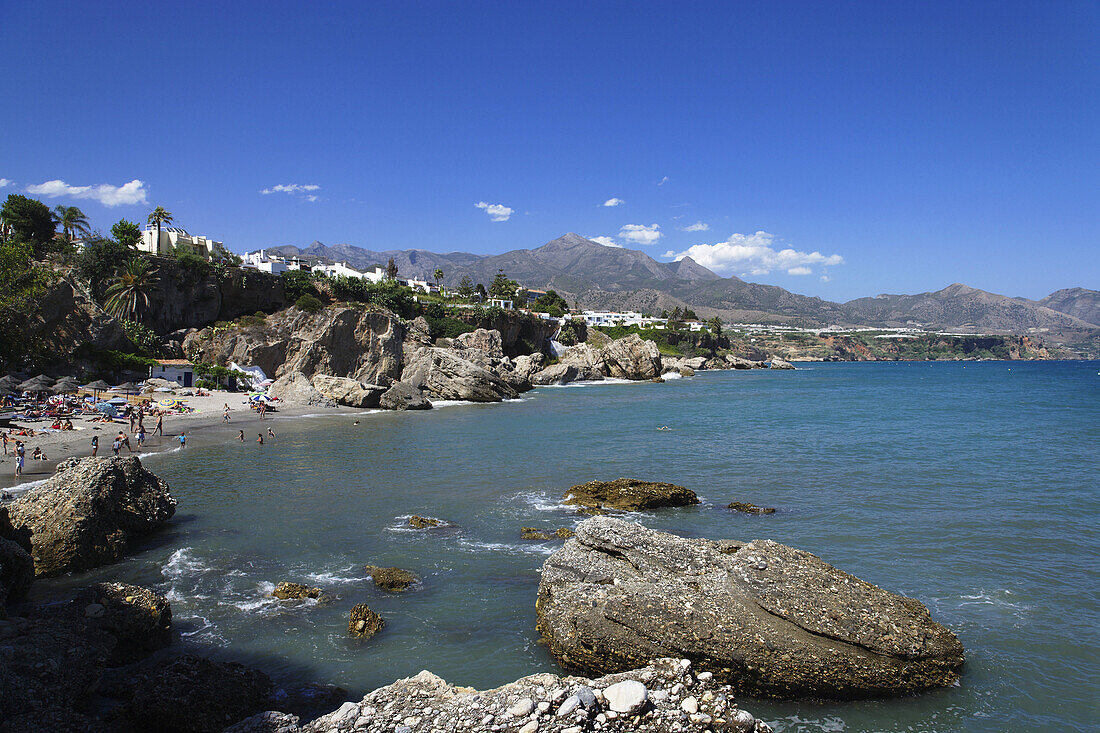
[
  {"x": 754, "y": 254},
  {"x": 663, "y": 181},
  {"x": 496, "y": 212},
  {"x": 640, "y": 234},
  {"x": 614, "y": 202},
  {"x": 670, "y": 253},
  {"x": 5, "y": 182},
  {"x": 128, "y": 193},
  {"x": 293, "y": 188},
  {"x": 825, "y": 278},
  {"x": 605, "y": 241},
  {"x": 698, "y": 226}
]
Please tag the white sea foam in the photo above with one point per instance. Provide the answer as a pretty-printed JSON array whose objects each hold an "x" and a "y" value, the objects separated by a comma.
[
  {"x": 331, "y": 578},
  {"x": 543, "y": 503},
  {"x": 534, "y": 548},
  {"x": 402, "y": 524},
  {"x": 794, "y": 723},
  {"x": 672, "y": 375}
]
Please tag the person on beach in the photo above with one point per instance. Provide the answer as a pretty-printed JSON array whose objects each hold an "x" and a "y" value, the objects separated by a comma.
[
  {"x": 183, "y": 439},
  {"x": 20, "y": 456},
  {"x": 260, "y": 438},
  {"x": 95, "y": 445},
  {"x": 140, "y": 436},
  {"x": 159, "y": 430},
  {"x": 225, "y": 413},
  {"x": 240, "y": 435},
  {"x": 116, "y": 446},
  {"x": 263, "y": 409},
  {"x": 38, "y": 455},
  {"x": 271, "y": 433},
  {"x": 124, "y": 439},
  {"x": 133, "y": 419},
  {"x": 141, "y": 419},
  {"x": 5, "y": 435}
]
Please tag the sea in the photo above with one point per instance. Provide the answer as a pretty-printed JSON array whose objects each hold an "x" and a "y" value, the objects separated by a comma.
[{"x": 971, "y": 486}]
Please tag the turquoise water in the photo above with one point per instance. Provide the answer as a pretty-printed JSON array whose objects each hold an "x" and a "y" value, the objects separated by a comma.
[{"x": 972, "y": 487}]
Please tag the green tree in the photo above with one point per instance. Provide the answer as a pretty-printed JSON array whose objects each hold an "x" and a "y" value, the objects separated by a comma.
[
  {"x": 72, "y": 221},
  {"x": 481, "y": 291},
  {"x": 99, "y": 260},
  {"x": 21, "y": 284},
  {"x": 128, "y": 292},
  {"x": 126, "y": 233},
  {"x": 466, "y": 287},
  {"x": 438, "y": 275},
  {"x": 502, "y": 287},
  {"x": 297, "y": 283},
  {"x": 715, "y": 325},
  {"x": 391, "y": 270},
  {"x": 28, "y": 220},
  {"x": 158, "y": 217}
]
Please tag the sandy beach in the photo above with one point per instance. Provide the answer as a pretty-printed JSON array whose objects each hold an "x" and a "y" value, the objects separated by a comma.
[{"x": 205, "y": 423}]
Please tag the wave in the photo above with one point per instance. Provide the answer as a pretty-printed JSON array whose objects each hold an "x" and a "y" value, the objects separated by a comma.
[
  {"x": 793, "y": 723},
  {"x": 533, "y": 548}
]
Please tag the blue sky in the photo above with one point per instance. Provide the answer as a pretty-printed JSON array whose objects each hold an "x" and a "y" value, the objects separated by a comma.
[{"x": 836, "y": 149}]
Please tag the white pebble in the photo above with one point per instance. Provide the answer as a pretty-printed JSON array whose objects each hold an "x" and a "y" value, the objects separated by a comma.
[
  {"x": 626, "y": 696},
  {"x": 522, "y": 708},
  {"x": 690, "y": 705},
  {"x": 704, "y": 676},
  {"x": 531, "y": 727}
]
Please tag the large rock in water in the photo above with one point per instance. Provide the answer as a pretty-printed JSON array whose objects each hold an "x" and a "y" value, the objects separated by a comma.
[
  {"x": 769, "y": 619},
  {"x": 347, "y": 391},
  {"x": 88, "y": 513},
  {"x": 445, "y": 375},
  {"x": 629, "y": 495},
  {"x": 295, "y": 388},
  {"x": 632, "y": 358},
  {"x": 402, "y": 396}
]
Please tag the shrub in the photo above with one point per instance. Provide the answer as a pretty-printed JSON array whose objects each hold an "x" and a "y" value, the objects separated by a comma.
[
  {"x": 308, "y": 303},
  {"x": 99, "y": 260},
  {"x": 297, "y": 283},
  {"x": 142, "y": 336}
]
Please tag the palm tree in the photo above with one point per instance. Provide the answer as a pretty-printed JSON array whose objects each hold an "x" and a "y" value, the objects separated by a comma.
[
  {"x": 438, "y": 275},
  {"x": 128, "y": 292},
  {"x": 72, "y": 221},
  {"x": 157, "y": 217}
]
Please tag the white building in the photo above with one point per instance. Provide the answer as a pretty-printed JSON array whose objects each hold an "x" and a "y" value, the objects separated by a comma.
[
  {"x": 614, "y": 318},
  {"x": 338, "y": 269},
  {"x": 501, "y": 303},
  {"x": 173, "y": 237},
  {"x": 180, "y": 371},
  {"x": 264, "y": 262},
  {"x": 423, "y": 286}
]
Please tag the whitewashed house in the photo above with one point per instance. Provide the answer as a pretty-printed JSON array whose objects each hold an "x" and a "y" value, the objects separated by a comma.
[
  {"x": 180, "y": 371},
  {"x": 174, "y": 237}
]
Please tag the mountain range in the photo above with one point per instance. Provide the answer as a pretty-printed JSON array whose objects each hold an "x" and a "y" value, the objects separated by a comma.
[{"x": 618, "y": 278}]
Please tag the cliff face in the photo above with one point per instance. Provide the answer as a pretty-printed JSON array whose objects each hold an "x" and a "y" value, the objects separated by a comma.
[
  {"x": 67, "y": 320},
  {"x": 193, "y": 298},
  {"x": 366, "y": 345}
]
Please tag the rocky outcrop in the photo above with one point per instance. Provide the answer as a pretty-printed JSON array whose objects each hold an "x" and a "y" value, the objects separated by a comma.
[
  {"x": 445, "y": 375},
  {"x": 746, "y": 508},
  {"x": 534, "y": 533},
  {"x": 403, "y": 396},
  {"x": 66, "y": 318},
  {"x": 665, "y": 695},
  {"x": 89, "y": 513},
  {"x": 418, "y": 522},
  {"x": 391, "y": 579},
  {"x": 777, "y": 363},
  {"x": 295, "y": 388},
  {"x": 562, "y": 373},
  {"x": 630, "y": 495},
  {"x": 526, "y": 366},
  {"x": 487, "y": 341},
  {"x": 357, "y": 342},
  {"x": 363, "y": 622},
  {"x": 139, "y": 619},
  {"x": 632, "y": 358},
  {"x": 737, "y": 362},
  {"x": 287, "y": 591},
  {"x": 16, "y": 571},
  {"x": 346, "y": 391},
  {"x": 768, "y": 619},
  {"x": 193, "y": 694}
]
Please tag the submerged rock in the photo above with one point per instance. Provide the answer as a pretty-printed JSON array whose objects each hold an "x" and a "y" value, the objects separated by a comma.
[
  {"x": 392, "y": 579},
  {"x": 533, "y": 533},
  {"x": 768, "y": 619},
  {"x": 420, "y": 522},
  {"x": 363, "y": 622},
  {"x": 287, "y": 591},
  {"x": 740, "y": 506},
  {"x": 648, "y": 699},
  {"x": 630, "y": 495},
  {"x": 89, "y": 513}
]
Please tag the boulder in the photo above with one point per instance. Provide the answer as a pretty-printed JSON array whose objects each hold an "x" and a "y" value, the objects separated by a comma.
[
  {"x": 269, "y": 721},
  {"x": 154, "y": 383},
  {"x": 777, "y": 363},
  {"x": 562, "y": 373},
  {"x": 363, "y": 623},
  {"x": 295, "y": 388},
  {"x": 629, "y": 495},
  {"x": 391, "y": 579},
  {"x": 738, "y": 362},
  {"x": 740, "y": 506},
  {"x": 646, "y": 700},
  {"x": 16, "y": 572},
  {"x": 346, "y": 391},
  {"x": 687, "y": 372},
  {"x": 443, "y": 374},
  {"x": 694, "y": 362},
  {"x": 418, "y": 522},
  {"x": 487, "y": 341},
  {"x": 190, "y": 693},
  {"x": 89, "y": 514},
  {"x": 287, "y": 591},
  {"x": 768, "y": 619},
  {"x": 631, "y": 357},
  {"x": 403, "y": 396},
  {"x": 526, "y": 366},
  {"x": 139, "y": 619}
]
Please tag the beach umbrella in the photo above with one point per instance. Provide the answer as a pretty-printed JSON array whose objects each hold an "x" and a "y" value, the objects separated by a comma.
[
  {"x": 64, "y": 387},
  {"x": 126, "y": 387},
  {"x": 107, "y": 409},
  {"x": 117, "y": 401},
  {"x": 36, "y": 384},
  {"x": 97, "y": 386}
]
